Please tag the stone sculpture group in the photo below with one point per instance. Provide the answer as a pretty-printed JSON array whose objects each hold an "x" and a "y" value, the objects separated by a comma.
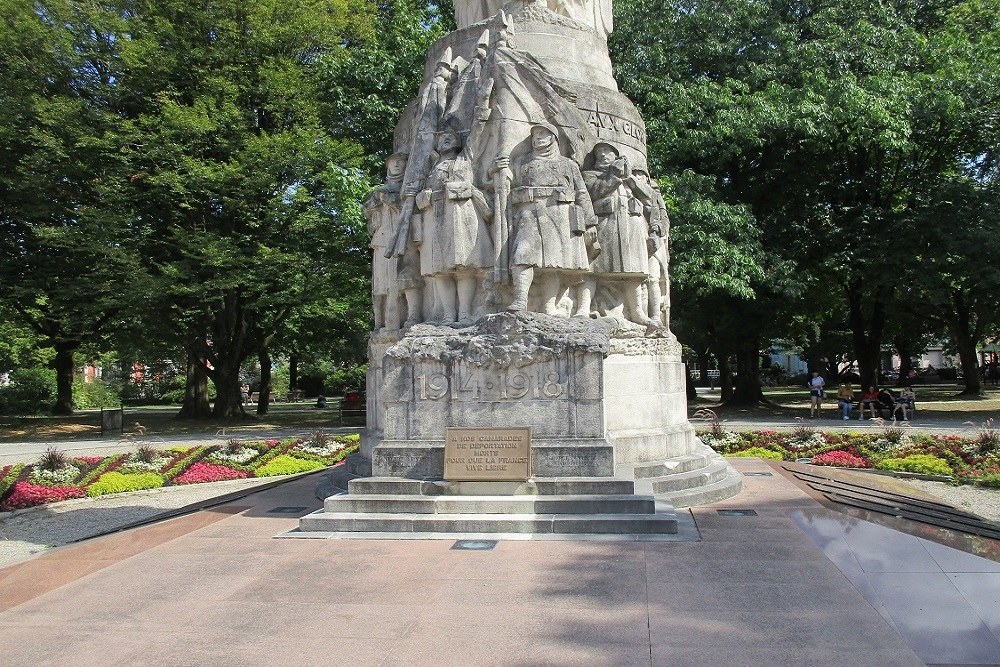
[
  {"x": 520, "y": 292},
  {"x": 517, "y": 183}
]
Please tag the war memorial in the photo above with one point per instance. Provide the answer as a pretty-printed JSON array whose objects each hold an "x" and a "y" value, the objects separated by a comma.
[{"x": 523, "y": 377}]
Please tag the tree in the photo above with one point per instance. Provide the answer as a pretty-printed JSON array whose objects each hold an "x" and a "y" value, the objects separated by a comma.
[
  {"x": 825, "y": 121},
  {"x": 68, "y": 261},
  {"x": 251, "y": 204},
  {"x": 955, "y": 271}
]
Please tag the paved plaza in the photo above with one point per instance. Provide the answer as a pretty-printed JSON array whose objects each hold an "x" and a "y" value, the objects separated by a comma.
[{"x": 799, "y": 583}]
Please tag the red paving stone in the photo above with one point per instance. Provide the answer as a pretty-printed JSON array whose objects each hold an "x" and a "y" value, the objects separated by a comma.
[{"x": 215, "y": 589}]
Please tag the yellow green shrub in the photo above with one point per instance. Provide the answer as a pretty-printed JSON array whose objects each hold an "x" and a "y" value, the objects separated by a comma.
[
  {"x": 286, "y": 465},
  {"x": 759, "y": 452},
  {"x": 116, "y": 482},
  {"x": 924, "y": 464}
]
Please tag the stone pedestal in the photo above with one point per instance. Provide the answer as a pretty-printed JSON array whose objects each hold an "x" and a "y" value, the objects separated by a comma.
[
  {"x": 594, "y": 397},
  {"x": 611, "y": 445},
  {"x": 519, "y": 186}
]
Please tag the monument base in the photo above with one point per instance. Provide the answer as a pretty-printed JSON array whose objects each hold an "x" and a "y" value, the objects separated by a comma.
[{"x": 612, "y": 451}]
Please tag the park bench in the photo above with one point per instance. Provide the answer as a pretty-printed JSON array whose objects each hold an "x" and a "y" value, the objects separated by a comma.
[
  {"x": 352, "y": 407},
  {"x": 255, "y": 397}
]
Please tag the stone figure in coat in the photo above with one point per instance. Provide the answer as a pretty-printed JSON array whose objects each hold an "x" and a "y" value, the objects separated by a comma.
[
  {"x": 392, "y": 277},
  {"x": 551, "y": 213},
  {"x": 456, "y": 248},
  {"x": 619, "y": 201}
]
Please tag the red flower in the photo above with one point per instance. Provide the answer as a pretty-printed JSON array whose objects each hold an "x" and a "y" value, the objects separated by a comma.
[
  {"x": 208, "y": 472},
  {"x": 26, "y": 494},
  {"x": 842, "y": 459}
]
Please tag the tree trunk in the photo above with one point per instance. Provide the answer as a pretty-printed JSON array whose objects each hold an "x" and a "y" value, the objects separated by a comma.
[
  {"x": 228, "y": 400},
  {"x": 960, "y": 326},
  {"x": 196, "y": 404},
  {"x": 747, "y": 390},
  {"x": 832, "y": 374},
  {"x": 63, "y": 364},
  {"x": 264, "y": 404},
  {"x": 692, "y": 393},
  {"x": 725, "y": 377},
  {"x": 703, "y": 358},
  {"x": 905, "y": 351},
  {"x": 866, "y": 336},
  {"x": 293, "y": 371}
]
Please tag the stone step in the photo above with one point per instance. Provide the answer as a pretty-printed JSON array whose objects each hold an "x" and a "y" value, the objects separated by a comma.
[
  {"x": 568, "y": 524},
  {"x": 535, "y": 504},
  {"x": 727, "y": 487},
  {"x": 688, "y": 480},
  {"x": 336, "y": 482},
  {"x": 539, "y": 485},
  {"x": 672, "y": 466}
]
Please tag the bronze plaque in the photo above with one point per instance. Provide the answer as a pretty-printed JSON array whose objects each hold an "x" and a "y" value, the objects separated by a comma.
[{"x": 487, "y": 454}]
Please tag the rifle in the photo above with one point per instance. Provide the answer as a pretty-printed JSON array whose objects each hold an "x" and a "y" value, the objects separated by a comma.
[
  {"x": 501, "y": 265},
  {"x": 398, "y": 247}
]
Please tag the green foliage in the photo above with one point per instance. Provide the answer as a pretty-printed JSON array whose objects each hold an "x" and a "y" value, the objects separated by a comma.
[
  {"x": 343, "y": 379},
  {"x": 31, "y": 391},
  {"x": 98, "y": 470},
  {"x": 758, "y": 452},
  {"x": 116, "y": 482},
  {"x": 815, "y": 143},
  {"x": 93, "y": 395},
  {"x": 185, "y": 460},
  {"x": 925, "y": 464},
  {"x": 8, "y": 480},
  {"x": 989, "y": 480},
  {"x": 287, "y": 465}
]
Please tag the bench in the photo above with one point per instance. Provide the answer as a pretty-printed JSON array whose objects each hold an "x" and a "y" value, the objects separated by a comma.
[
  {"x": 353, "y": 406},
  {"x": 255, "y": 397}
]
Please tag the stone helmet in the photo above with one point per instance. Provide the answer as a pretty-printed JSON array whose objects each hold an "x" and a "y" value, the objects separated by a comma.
[
  {"x": 605, "y": 143},
  {"x": 548, "y": 126}
]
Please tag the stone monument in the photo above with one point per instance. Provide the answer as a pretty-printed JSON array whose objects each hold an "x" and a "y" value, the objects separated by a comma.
[{"x": 520, "y": 282}]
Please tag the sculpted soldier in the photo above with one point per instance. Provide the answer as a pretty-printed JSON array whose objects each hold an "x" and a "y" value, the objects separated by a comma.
[
  {"x": 390, "y": 275},
  {"x": 551, "y": 214},
  {"x": 659, "y": 254},
  {"x": 456, "y": 246},
  {"x": 622, "y": 231}
]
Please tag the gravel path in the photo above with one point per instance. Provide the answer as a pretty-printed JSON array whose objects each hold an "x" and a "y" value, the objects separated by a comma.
[
  {"x": 31, "y": 532},
  {"x": 984, "y": 502}
]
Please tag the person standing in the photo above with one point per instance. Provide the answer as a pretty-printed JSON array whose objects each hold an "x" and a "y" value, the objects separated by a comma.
[
  {"x": 816, "y": 384},
  {"x": 845, "y": 399}
]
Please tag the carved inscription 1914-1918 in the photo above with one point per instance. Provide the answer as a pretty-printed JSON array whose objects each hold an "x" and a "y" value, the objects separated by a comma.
[{"x": 487, "y": 454}]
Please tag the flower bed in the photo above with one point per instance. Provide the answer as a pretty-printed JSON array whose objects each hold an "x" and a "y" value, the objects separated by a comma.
[
  {"x": 29, "y": 485},
  {"x": 969, "y": 460}
]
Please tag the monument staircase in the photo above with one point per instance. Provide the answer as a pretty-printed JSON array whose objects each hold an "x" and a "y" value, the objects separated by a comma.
[
  {"x": 637, "y": 503},
  {"x": 520, "y": 282}
]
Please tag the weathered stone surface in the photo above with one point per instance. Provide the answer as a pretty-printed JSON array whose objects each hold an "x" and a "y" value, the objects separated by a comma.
[{"x": 530, "y": 250}]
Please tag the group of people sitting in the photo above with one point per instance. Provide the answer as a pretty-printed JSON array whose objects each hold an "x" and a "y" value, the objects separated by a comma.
[{"x": 877, "y": 402}]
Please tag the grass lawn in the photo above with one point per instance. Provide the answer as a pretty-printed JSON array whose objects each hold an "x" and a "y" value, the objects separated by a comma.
[
  {"x": 162, "y": 421},
  {"x": 933, "y": 401}
]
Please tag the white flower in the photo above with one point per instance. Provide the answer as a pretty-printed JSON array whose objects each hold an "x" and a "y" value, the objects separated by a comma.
[
  {"x": 239, "y": 457},
  {"x": 64, "y": 475},
  {"x": 145, "y": 466},
  {"x": 327, "y": 449}
]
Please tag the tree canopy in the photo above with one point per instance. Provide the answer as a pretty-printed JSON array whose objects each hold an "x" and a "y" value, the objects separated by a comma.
[{"x": 184, "y": 179}]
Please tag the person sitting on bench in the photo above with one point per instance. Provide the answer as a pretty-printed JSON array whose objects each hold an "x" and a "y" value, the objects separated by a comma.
[
  {"x": 869, "y": 400},
  {"x": 906, "y": 403}
]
